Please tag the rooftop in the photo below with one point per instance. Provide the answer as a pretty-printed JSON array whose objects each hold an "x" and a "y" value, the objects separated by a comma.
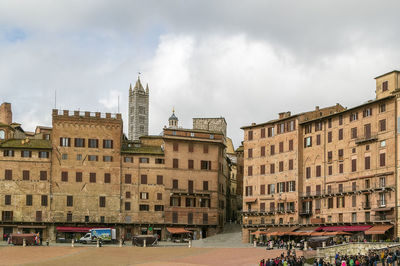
[{"x": 26, "y": 144}]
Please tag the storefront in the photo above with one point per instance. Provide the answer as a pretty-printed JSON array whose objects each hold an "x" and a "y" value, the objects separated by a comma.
[{"x": 65, "y": 234}]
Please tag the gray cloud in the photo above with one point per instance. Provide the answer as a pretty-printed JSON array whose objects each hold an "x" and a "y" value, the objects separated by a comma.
[{"x": 245, "y": 60}]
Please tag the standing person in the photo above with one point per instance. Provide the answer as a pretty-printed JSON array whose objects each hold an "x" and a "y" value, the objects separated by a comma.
[{"x": 383, "y": 257}]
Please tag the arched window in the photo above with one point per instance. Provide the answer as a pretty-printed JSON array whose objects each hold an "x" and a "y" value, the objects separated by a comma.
[{"x": 2, "y": 134}]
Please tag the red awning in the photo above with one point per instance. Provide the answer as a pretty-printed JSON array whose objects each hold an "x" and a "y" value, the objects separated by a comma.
[
  {"x": 349, "y": 228},
  {"x": 378, "y": 230},
  {"x": 73, "y": 229},
  {"x": 174, "y": 230}
]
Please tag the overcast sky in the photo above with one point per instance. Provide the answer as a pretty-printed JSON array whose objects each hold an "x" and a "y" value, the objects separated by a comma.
[{"x": 243, "y": 60}]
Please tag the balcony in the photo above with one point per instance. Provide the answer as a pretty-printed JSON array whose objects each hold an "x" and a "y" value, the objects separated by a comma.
[
  {"x": 306, "y": 212},
  {"x": 367, "y": 138}
]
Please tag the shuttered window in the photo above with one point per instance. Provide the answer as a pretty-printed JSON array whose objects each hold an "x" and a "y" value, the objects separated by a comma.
[
  {"x": 354, "y": 165},
  {"x": 382, "y": 159},
  {"x": 367, "y": 163}
]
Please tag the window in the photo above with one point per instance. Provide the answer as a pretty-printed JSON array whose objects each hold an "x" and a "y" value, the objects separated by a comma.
[
  {"x": 382, "y": 159},
  {"x": 190, "y": 202},
  {"x": 93, "y": 143},
  {"x": 353, "y": 117},
  {"x": 128, "y": 179},
  {"x": 70, "y": 201},
  {"x": 190, "y": 147},
  {"x": 25, "y": 175},
  {"x": 292, "y": 186},
  {"x": 271, "y": 189},
  {"x": 175, "y": 201},
  {"x": 64, "y": 176},
  {"x": 291, "y": 164},
  {"x": 65, "y": 142},
  {"x": 250, "y": 170},
  {"x": 330, "y": 156},
  {"x": 281, "y": 166},
  {"x": 262, "y": 153},
  {"x": 64, "y": 156},
  {"x": 354, "y": 165},
  {"x": 175, "y": 163},
  {"x": 175, "y": 217},
  {"x": 341, "y": 168},
  {"x": 367, "y": 112},
  {"x": 383, "y": 143},
  {"x": 272, "y": 168},
  {"x": 160, "y": 180},
  {"x": 262, "y": 190},
  {"x": 38, "y": 216},
  {"x": 102, "y": 201},
  {"x": 330, "y": 170},
  {"x": 158, "y": 208},
  {"x": 329, "y": 136},
  {"x": 340, "y": 135},
  {"x": 28, "y": 200},
  {"x": 340, "y": 154},
  {"x": 270, "y": 132},
  {"x": 2, "y": 134},
  {"x": 250, "y": 153},
  {"x": 7, "y": 216},
  {"x": 129, "y": 160},
  {"x": 8, "y": 153},
  {"x": 318, "y": 126},
  {"x": 79, "y": 142},
  {"x": 93, "y": 158},
  {"x": 107, "y": 158},
  {"x": 79, "y": 157},
  {"x": 382, "y": 107},
  {"x": 143, "y": 207},
  {"x": 354, "y": 201},
  {"x": 159, "y": 161},
  {"x": 280, "y": 146},
  {"x": 272, "y": 151},
  {"x": 86, "y": 218},
  {"x": 329, "y": 122},
  {"x": 44, "y": 200},
  {"x": 69, "y": 217},
  {"x": 205, "y": 185},
  {"x": 382, "y": 125},
  {"x": 107, "y": 178},
  {"x": 78, "y": 177},
  {"x": 43, "y": 175},
  {"x": 159, "y": 196},
  {"x": 250, "y": 135},
  {"x": 128, "y": 194},
  {"x": 367, "y": 217},
  {"x": 281, "y": 128},
  {"x": 318, "y": 139},
  {"x": 7, "y": 200},
  {"x": 292, "y": 125},
  {"x": 308, "y": 172},
  {"x": 249, "y": 191},
  {"x": 205, "y": 218},
  {"x": 102, "y": 219},
  {"x": 175, "y": 146},
  {"x": 144, "y": 195},
  {"x": 262, "y": 133},
  {"x": 26, "y": 154},
  {"x": 318, "y": 171},
  {"x": 143, "y": 179},
  {"x": 340, "y": 120},
  {"x": 354, "y": 133},
  {"x": 205, "y": 165},
  {"x": 175, "y": 184},
  {"x": 367, "y": 162},
  {"x": 262, "y": 169},
  {"x": 107, "y": 143},
  {"x": 307, "y": 142},
  {"x": 354, "y": 217},
  {"x": 8, "y": 174},
  {"x": 92, "y": 177},
  {"x": 291, "y": 145},
  {"x": 42, "y": 154},
  {"x": 385, "y": 86}
]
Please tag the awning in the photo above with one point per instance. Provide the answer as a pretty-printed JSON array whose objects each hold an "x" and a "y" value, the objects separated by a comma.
[
  {"x": 174, "y": 230},
  {"x": 73, "y": 229},
  {"x": 383, "y": 209},
  {"x": 378, "y": 229},
  {"x": 308, "y": 229},
  {"x": 281, "y": 231},
  {"x": 248, "y": 200},
  {"x": 349, "y": 228}
]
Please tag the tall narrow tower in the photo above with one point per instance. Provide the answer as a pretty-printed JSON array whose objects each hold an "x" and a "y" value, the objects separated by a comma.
[{"x": 138, "y": 111}]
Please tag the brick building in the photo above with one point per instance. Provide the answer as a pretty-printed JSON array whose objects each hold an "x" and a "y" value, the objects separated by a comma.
[
  {"x": 83, "y": 172},
  {"x": 329, "y": 167}
]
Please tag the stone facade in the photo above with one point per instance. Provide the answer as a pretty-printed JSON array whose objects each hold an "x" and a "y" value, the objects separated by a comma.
[
  {"x": 330, "y": 166},
  {"x": 138, "y": 114},
  {"x": 212, "y": 124},
  {"x": 82, "y": 173}
]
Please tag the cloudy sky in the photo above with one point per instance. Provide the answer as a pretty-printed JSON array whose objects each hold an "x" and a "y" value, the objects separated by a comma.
[{"x": 243, "y": 60}]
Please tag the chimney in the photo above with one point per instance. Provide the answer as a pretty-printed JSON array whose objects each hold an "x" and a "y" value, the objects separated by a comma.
[
  {"x": 284, "y": 114},
  {"x": 5, "y": 113},
  {"x": 317, "y": 108}
]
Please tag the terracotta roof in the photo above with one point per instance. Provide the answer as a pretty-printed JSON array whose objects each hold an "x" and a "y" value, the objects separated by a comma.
[{"x": 24, "y": 144}]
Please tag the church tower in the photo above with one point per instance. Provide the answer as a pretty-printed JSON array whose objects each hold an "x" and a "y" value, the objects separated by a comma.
[
  {"x": 173, "y": 120},
  {"x": 138, "y": 111}
]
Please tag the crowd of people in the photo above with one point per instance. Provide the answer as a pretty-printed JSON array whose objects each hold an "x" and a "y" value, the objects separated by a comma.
[
  {"x": 289, "y": 260},
  {"x": 383, "y": 257}
]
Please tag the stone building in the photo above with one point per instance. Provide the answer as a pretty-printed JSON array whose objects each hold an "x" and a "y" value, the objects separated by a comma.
[
  {"x": 83, "y": 173},
  {"x": 329, "y": 167},
  {"x": 138, "y": 114}
]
